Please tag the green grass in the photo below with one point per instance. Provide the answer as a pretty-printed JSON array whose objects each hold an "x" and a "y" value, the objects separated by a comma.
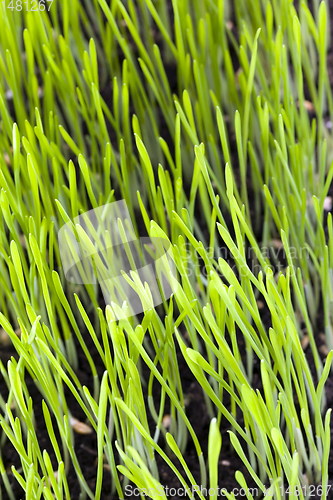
[{"x": 86, "y": 108}]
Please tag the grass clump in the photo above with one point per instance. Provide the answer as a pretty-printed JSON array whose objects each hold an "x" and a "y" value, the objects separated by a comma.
[{"x": 209, "y": 119}]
